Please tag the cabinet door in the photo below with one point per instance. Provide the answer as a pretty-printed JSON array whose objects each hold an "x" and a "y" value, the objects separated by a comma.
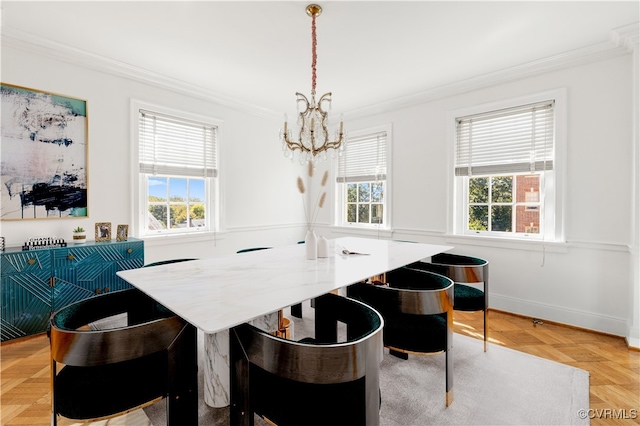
[
  {"x": 86, "y": 271},
  {"x": 130, "y": 256},
  {"x": 78, "y": 274},
  {"x": 25, "y": 293}
]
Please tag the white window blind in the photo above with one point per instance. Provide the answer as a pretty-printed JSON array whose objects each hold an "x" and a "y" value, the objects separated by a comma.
[
  {"x": 364, "y": 159},
  {"x": 178, "y": 147},
  {"x": 511, "y": 140}
]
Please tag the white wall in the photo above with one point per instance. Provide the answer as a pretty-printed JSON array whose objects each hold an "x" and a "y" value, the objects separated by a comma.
[
  {"x": 261, "y": 205},
  {"x": 633, "y": 336},
  {"x": 585, "y": 282}
]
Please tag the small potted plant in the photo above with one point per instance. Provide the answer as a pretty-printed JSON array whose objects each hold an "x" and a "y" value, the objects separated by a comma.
[{"x": 79, "y": 235}]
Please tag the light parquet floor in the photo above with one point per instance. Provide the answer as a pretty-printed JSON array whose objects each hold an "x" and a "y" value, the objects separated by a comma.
[
  {"x": 614, "y": 370},
  {"x": 25, "y": 396}
]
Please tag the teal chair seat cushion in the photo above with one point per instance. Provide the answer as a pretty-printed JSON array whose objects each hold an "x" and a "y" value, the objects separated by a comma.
[
  {"x": 467, "y": 298},
  {"x": 307, "y": 404},
  {"x": 94, "y": 392},
  {"x": 416, "y": 333}
]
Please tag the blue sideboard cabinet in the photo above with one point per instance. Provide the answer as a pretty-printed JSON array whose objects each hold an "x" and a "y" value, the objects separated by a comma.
[{"x": 36, "y": 283}]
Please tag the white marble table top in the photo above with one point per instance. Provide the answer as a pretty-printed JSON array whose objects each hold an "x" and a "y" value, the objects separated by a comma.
[{"x": 218, "y": 293}]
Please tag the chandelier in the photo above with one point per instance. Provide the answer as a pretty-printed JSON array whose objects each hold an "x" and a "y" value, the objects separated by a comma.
[{"x": 312, "y": 136}]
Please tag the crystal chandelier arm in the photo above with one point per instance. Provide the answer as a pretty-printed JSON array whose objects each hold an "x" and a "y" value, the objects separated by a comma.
[
  {"x": 298, "y": 145},
  {"x": 303, "y": 98},
  {"x": 293, "y": 145},
  {"x": 332, "y": 145},
  {"x": 328, "y": 145},
  {"x": 324, "y": 98}
]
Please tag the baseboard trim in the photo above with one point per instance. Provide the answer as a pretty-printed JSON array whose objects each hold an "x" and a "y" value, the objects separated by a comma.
[
  {"x": 633, "y": 338},
  {"x": 560, "y": 315}
]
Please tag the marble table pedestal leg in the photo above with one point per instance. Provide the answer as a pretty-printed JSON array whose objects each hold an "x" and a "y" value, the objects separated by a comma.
[{"x": 216, "y": 361}]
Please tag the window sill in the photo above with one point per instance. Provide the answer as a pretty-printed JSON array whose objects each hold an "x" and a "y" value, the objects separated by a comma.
[
  {"x": 191, "y": 237},
  {"x": 508, "y": 243},
  {"x": 356, "y": 230}
]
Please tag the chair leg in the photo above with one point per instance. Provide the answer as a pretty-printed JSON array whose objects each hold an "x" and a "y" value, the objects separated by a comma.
[
  {"x": 449, "y": 379},
  {"x": 326, "y": 324},
  {"x": 486, "y": 327},
  {"x": 241, "y": 412},
  {"x": 486, "y": 304},
  {"x": 401, "y": 355},
  {"x": 182, "y": 399},
  {"x": 54, "y": 416},
  {"x": 449, "y": 359},
  {"x": 296, "y": 310},
  {"x": 373, "y": 394}
]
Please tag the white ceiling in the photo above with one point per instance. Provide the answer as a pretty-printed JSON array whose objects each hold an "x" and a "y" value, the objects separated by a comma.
[{"x": 259, "y": 53}]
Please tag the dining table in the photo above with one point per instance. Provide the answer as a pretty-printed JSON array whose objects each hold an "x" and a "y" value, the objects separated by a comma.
[{"x": 217, "y": 293}]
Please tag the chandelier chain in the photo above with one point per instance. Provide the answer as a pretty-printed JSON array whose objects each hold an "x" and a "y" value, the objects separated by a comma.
[{"x": 314, "y": 56}]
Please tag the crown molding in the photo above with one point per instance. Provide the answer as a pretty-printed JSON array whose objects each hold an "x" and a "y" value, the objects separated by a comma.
[
  {"x": 605, "y": 50},
  {"x": 622, "y": 41},
  {"x": 627, "y": 36},
  {"x": 18, "y": 39}
]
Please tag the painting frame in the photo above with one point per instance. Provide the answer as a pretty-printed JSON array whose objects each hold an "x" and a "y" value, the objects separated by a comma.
[
  {"x": 123, "y": 233},
  {"x": 103, "y": 232},
  {"x": 45, "y": 139}
]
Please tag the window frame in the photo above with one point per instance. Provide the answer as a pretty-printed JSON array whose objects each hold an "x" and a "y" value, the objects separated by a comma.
[
  {"x": 139, "y": 192},
  {"x": 551, "y": 185},
  {"x": 340, "y": 211}
]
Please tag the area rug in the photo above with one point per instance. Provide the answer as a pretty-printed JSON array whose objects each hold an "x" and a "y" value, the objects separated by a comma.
[
  {"x": 134, "y": 418},
  {"x": 498, "y": 387}
]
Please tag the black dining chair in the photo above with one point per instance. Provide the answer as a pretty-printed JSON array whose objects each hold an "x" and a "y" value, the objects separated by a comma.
[
  {"x": 109, "y": 372},
  {"x": 317, "y": 381},
  {"x": 463, "y": 270},
  {"x": 417, "y": 307},
  {"x": 250, "y": 249},
  {"x": 168, "y": 261}
]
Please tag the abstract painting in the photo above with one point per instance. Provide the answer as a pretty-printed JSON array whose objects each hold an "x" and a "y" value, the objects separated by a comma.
[{"x": 43, "y": 155}]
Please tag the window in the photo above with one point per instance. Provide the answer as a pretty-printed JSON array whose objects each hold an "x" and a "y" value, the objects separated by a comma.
[
  {"x": 505, "y": 171},
  {"x": 364, "y": 202},
  {"x": 508, "y": 203},
  {"x": 362, "y": 183},
  {"x": 178, "y": 167}
]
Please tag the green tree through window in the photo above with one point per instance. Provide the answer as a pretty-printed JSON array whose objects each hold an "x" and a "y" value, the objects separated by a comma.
[{"x": 500, "y": 203}]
